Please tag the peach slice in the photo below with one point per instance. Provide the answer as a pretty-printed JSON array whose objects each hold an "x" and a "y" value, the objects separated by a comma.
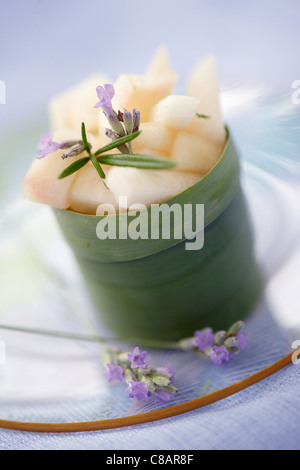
[
  {"x": 148, "y": 186},
  {"x": 89, "y": 191},
  {"x": 175, "y": 111},
  {"x": 76, "y": 105},
  {"x": 204, "y": 84},
  {"x": 193, "y": 153},
  {"x": 41, "y": 183},
  {"x": 154, "y": 136},
  {"x": 144, "y": 91}
]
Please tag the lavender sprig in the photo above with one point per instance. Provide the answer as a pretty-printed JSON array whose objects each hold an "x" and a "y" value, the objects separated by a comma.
[
  {"x": 143, "y": 380},
  {"x": 46, "y": 146},
  {"x": 121, "y": 124},
  {"x": 219, "y": 347}
]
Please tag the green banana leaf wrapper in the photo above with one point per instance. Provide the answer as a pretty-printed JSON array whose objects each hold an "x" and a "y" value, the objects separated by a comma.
[{"x": 156, "y": 288}]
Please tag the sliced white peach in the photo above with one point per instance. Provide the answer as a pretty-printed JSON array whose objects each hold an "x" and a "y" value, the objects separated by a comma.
[
  {"x": 175, "y": 111},
  {"x": 154, "y": 136},
  {"x": 193, "y": 153},
  {"x": 148, "y": 186},
  {"x": 153, "y": 152},
  {"x": 144, "y": 91},
  {"x": 203, "y": 83},
  {"x": 160, "y": 64},
  {"x": 89, "y": 191},
  {"x": 76, "y": 105},
  {"x": 134, "y": 91},
  {"x": 41, "y": 183}
]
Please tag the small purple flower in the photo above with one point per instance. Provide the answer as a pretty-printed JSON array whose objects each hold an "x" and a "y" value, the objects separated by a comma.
[
  {"x": 163, "y": 396},
  {"x": 128, "y": 121},
  {"x": 167, "y": 370},
  {"x": 138, "y": 390},
  {"x": 137, "y": 358},
  {"x": 203, "y": 339},
  {"x": 219, "y": 355},
  {"x": 105, "y": 95},
  {"x": 243, "y": 343},
  {"x": 114, "y": 373},
  {"x": 47, "y": 146},
  {"x": 136, "y": 117}
]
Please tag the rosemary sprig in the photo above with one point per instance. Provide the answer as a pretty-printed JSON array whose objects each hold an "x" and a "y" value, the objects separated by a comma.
[
  {"x": 146, "y": 162},
  {"x": 75, "y": 166},
  {"x": 137, "y": 161},
  {"x": 118, "y": 142},
  {"x": 92, "y": 157},
  {"x": 124, "y": 129}
]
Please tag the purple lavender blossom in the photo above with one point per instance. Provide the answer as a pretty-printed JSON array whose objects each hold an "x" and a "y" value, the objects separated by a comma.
[
  {"x": 203, "y": 339},
  {"x": 138, "y": 390},
  {"x": 243, "y": 343},
  {"x": 105, "y": 95},
  {"x": 163, "y": 396},
  {"x": 47, "y": 146},
  {"x": 136, "y": 117},
  {"x": 128, "y": 121},
  {"x": 219, "y": 355},
  {"x": 114, "y": 373},
  {"x": 167, "y": 370},
  {"x": 137, "y": 358}
]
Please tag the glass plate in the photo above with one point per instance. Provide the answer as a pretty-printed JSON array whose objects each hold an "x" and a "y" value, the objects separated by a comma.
[{"x": 55, "y": 380}]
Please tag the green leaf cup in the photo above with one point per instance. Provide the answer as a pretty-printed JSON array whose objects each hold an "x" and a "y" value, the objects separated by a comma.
[{"x": 158, "y": 289}]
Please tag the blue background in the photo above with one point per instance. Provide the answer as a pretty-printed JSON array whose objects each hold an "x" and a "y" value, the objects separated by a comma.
[{"x": 46, "y": 46}]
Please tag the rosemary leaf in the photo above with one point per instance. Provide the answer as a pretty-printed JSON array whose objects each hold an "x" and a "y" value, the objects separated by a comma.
[
  {"x": 203, "y": 116},
  {"x": 84, "y": 138},
  {"x": 75, "y": 166},
  {"x": 146, "y": 162},
  {"x": 118, "y": 142},
  {"x": 97, "y": 166}
]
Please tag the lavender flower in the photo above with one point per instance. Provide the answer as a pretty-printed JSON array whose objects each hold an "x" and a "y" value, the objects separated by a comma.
[
  {"x": 105, "y": 95},
  {"x": 163, "y": 396},
  {"x": 219, "y": 355},
  {"x": 138, "y": 390},
  {"x": 217, "y": 346},
  {"x": 168, "y": 370},
  {"x": 142, "y": 379},
  {"x": 243, "y": 343},
  {"x": 114, "y": 373},
  {"x": 121, "y": 124},
  {"x": 76, "y": 149},
  {"x": 137, "y": 358},
  {"x": 136, "y": 118},
  {"x": 47, "y": 146},
  {"x": 204, "y": 338},
  {"x": 128, "y": 122}
]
